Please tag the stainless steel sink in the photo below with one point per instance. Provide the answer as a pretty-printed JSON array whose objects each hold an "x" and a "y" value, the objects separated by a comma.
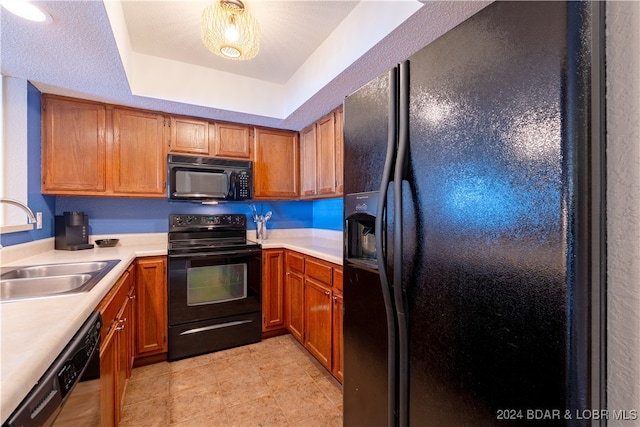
[
  {"x": 54, "y": 270},
  {"x": 38, "y": 281},
  {"x": 39, "y": 286}
]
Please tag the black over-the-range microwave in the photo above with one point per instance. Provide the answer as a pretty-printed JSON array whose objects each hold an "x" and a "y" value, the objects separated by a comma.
[{"x": 209, "y": 179}]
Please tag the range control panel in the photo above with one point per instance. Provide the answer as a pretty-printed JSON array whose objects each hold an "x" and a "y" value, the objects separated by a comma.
[{"x": 196, "y": 221}]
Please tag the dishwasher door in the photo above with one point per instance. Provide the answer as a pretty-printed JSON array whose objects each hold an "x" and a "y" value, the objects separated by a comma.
[
  {"x": 44, "y": 402},
  {"x": 82, "y": 407}
]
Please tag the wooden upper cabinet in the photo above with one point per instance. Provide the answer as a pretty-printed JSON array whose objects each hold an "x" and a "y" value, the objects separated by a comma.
[
  {"x": 326, "y": 155},
  {"x": 74, "y": 148},
  {"x": 139, "y": 156},
  {"x": 231, "y": 140},
  {"x": 308, "y": 162},
  {"x": 321, "y": 157},
  {"x": 189, "y": 136},
  {"x": 93, "y": 149},
  {"x": 339, "y": 129},
  {"x": 276, "y": 172}
]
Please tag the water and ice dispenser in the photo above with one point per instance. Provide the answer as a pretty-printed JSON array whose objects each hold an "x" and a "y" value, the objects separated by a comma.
[{"x": 360, "y": 215}]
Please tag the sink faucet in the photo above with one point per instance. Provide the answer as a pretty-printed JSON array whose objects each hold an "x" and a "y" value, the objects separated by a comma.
[{"x": 32, "y": 217}]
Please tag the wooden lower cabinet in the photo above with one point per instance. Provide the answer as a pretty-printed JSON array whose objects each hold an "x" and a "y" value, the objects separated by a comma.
[
  {"x": 294, "y": 304},
  {"x": 272, "y": 290},
  {"x": 337, "y": 312},
  {"x": 314, "y": 307},
  {"x": 115, "y": 348},
  {"x": 151, "y": 306},
  {"x": 109, "y": 410},
  {"x": 317, "y": 309}
]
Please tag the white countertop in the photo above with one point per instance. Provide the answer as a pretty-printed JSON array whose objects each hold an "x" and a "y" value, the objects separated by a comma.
[
  {"x": 323, "y": 244},
  {"x": 33, "y": 332}
]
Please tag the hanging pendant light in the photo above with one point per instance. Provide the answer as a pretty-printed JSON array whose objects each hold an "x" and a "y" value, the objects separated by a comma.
[{"x": 229, "y": 30}]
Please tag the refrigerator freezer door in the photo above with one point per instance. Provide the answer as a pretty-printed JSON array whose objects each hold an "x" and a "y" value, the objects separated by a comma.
[{"x": 366, "y": 118}]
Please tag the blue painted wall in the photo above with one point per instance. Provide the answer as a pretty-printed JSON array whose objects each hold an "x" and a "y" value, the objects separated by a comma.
[
  {"x": 119, "y": 215},
  {"x": 327, "y": 214},
  {"x": 130, "y": 215}
]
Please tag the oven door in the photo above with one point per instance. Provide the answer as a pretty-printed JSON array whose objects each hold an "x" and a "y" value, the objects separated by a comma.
[{"x": 213, "y": 285}]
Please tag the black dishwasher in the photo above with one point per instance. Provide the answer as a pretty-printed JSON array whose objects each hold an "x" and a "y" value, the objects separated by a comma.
[{"x": 45, "y": 400}]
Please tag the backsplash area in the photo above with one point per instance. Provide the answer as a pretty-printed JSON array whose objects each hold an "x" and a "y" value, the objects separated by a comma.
[{"x": 120, "y": 215}]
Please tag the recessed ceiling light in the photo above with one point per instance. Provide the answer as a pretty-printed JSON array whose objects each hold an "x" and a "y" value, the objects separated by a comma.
[{"x": 26, "y": 10}]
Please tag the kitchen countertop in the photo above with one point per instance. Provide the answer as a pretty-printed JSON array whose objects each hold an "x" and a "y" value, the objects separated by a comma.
[
  {"x": 323, "y": 244},
  {"x": 34, "y": 331}
]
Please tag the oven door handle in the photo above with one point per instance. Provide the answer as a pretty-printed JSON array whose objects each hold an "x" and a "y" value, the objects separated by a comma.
[{"x": 217, "y": 254}]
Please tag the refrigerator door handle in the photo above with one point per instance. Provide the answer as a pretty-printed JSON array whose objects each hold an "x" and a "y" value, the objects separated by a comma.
[
  {"x": 380, "y": 224},
  {"x": 399, "y": 300}
]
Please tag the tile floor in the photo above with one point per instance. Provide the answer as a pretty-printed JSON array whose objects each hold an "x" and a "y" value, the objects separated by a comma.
[{"x": 272, "y": 383}]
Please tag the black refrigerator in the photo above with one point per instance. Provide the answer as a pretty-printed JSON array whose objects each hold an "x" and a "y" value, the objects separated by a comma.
[{"x": 474, "y": 226}]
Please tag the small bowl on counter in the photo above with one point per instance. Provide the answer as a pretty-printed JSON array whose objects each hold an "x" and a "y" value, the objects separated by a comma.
[{"x": 107, "y": 243}]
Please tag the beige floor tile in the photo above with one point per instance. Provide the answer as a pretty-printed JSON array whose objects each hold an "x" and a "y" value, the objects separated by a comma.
[
  {"x": 200, "y": 377},
  {"x": 148, "y": 413},
  {"x": 243, "y": 388},
  {"x": 186, "y": 405},
  {"x": 146, "y": 389},
  {"x": 272, "y": 383},
  {"x": 215, "y": 419},
  {"x": 302, "y": 401},
  {"x": 263, "y": 411}
]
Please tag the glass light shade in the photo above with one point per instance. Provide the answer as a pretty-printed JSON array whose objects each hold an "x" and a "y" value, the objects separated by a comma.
[
  {"x": 230, "y": 31},
  {"x": 26, "y": 10}
]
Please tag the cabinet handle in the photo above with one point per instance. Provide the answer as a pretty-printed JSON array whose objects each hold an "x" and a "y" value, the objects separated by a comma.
[
  {"x": 335, "y": 298},
  {"x": 327, "y": 293}
]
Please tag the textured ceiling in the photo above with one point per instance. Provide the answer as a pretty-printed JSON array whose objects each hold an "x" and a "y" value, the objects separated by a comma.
[{"x": 80, "y": 54}]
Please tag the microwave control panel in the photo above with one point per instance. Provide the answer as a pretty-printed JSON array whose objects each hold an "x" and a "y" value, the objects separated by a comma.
[{"x": 244, "y": 185}]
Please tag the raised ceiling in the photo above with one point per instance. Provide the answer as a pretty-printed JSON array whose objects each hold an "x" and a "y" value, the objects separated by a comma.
[{"x": 148, "y": 54}]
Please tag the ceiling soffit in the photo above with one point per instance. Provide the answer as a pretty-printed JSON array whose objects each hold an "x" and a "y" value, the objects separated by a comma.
[{"x": 305, "y": 45}]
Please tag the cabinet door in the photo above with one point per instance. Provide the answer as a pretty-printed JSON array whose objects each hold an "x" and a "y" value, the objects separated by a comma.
[
  {"x": 151, "y": 306},
  {"x": 74, "y": 149},
  {"x": 308, "y": 162},
  {"x": 123, "y": 338},
  {"x": 294, "y": 301},
  {"x": 317, "y": 307},
  {"x": 131, "y": 328},
  {"x": 231, "y": 140},
  {"x": 109, "y": 410},
  {"x": 276, "y": 171},
  {"x": 326, "y": 156},
  {"x": 339, "y": 153},
  {"x": 189, "y": 136},
  {"x": 139, "y": 153},
  {"x": 337, "y": 311},
  {"x": 272, "y": 289}
]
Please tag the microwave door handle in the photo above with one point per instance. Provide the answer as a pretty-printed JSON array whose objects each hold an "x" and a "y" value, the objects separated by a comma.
[{"x": 217, "y": 195}]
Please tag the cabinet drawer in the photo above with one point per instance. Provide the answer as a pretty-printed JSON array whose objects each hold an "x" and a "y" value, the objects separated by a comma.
[
  {"x": 318, "y": 270},
  {"x": 337, "y": 278},
  {"x": 294, "y": 262}
]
